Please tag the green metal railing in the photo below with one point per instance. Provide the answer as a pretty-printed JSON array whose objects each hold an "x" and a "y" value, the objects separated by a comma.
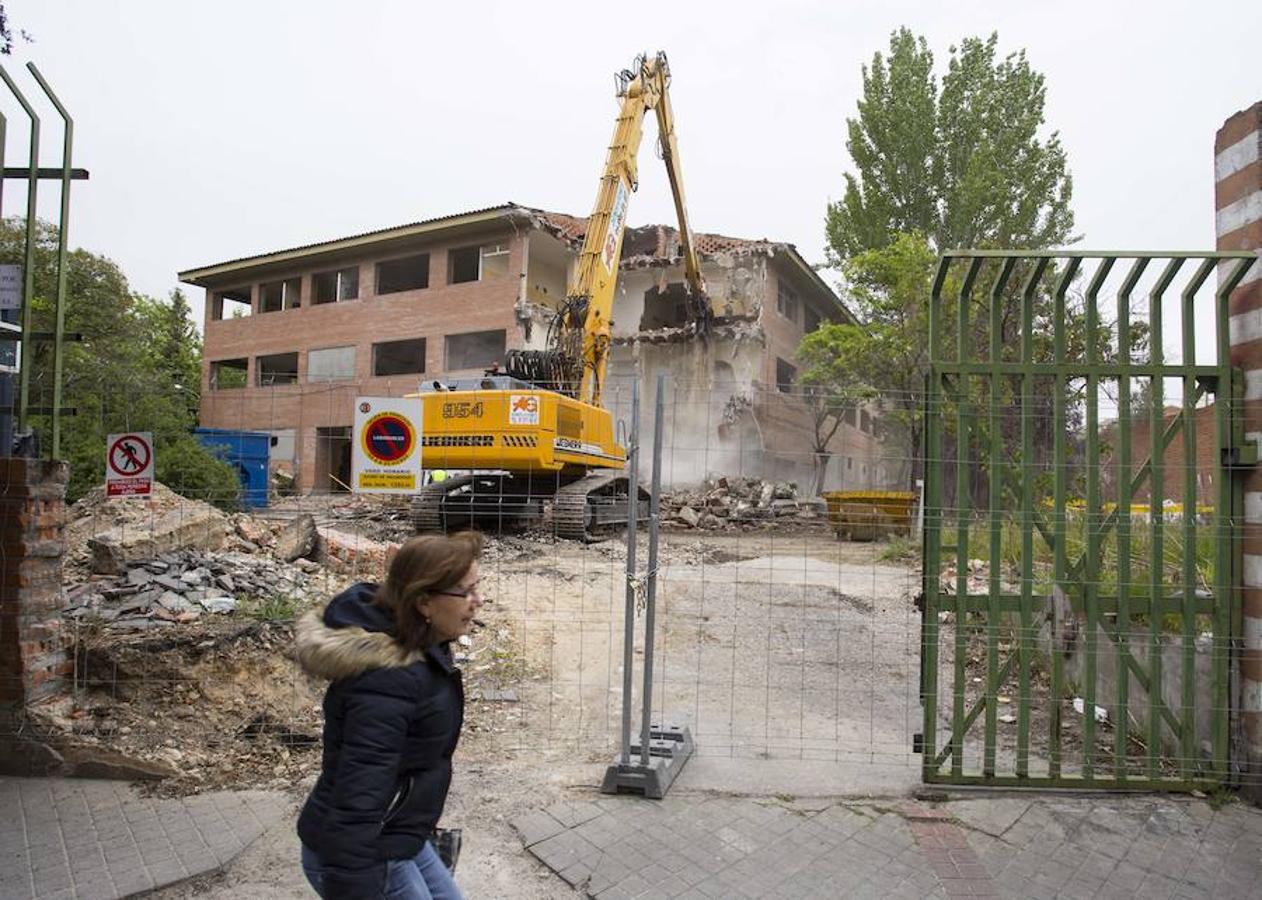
[
  {"x": 1056, "y": 674},
  {"x": 17, "y": 406}
]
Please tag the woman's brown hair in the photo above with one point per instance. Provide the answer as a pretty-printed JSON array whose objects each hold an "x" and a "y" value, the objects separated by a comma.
[{"x": 424, "y": 565}]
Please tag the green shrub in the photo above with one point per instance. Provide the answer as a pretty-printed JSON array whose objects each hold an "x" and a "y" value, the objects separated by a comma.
[{"x": 192, "y": 471}]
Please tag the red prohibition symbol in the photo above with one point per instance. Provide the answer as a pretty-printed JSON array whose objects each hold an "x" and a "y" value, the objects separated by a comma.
[
  {"x": 388, "y": 438},
  {"x": 129, "y": 455}
]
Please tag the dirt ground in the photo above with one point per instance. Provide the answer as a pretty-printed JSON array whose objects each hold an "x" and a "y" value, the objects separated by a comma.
[{"x": 770, "y": 643}]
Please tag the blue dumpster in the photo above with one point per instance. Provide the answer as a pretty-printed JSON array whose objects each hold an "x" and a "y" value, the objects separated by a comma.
[{"x": 247, "y": 452}]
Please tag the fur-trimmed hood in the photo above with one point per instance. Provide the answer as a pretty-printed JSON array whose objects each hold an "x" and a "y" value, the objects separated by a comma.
[{"x": 348, "y": 637}]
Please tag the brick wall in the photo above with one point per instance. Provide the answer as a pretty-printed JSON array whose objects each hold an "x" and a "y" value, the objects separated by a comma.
[
  {"x": 1174, "y": 459},
  {"x": 33, "y": 660},
  {"x": 787, "y": 424},
  {"x": 1238, "y": 224}
]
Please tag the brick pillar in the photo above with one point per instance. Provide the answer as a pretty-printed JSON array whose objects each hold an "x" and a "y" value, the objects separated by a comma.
[
  {"x": 1238, "y": 225},
  {"x": 33, "y": 659}
]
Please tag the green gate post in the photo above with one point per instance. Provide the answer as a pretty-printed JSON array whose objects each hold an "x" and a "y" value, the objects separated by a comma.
[
  {"x": 1092, "y": 521},
  {"x": 1060, "y": 562},
  {"x": 1028, "y": 294},
  {"x": 932, "y": 518},
  {"x": 1124, "y": 502}
]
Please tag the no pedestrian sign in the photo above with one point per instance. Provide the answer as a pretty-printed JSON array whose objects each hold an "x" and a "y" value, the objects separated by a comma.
[
  {"x": 129, "y": 464},
  {"x": 386, "y": 455}
]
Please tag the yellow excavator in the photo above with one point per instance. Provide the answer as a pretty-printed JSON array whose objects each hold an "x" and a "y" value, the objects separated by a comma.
[{"x": 535, "y": 433}]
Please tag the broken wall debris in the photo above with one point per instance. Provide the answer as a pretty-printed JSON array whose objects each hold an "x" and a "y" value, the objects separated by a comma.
[
  {"x": 727, "y": 503},
  {"x": 115, "y": 549}
]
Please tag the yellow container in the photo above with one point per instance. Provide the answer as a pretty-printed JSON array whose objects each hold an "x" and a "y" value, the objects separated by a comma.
[{"x": 869, "y": 515}]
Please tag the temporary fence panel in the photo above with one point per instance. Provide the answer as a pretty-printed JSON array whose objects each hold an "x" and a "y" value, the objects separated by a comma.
[{"x": 776, "y": 636}]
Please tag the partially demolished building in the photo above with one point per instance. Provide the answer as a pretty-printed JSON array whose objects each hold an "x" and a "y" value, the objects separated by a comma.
[{"x": 293, "y": 336}]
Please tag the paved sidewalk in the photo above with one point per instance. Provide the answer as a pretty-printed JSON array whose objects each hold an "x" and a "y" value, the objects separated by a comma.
[
  {"x": 702, "y": 846},
  {"x": 75, "y": 839}
]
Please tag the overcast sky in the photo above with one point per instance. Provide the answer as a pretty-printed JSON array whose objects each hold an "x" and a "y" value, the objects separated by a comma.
[{"x": 218, "y": 130}]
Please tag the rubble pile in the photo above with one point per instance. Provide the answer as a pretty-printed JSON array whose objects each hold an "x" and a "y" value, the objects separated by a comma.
[
  {"x": 221, "y": 702},
  {"x": 744, "y": 503},
  {"x": 181, "y": 619},
  {"x": 95, "y": 525},
  {"x": 185, "y": 585},
  {"x": 383, "y": 518}
]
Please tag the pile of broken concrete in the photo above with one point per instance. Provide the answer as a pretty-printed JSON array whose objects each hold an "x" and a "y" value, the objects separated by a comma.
[
  {"x": 184, "y": 585},
  {"x": 745, "y": 503},
  {"x": 135, "y": 566}
]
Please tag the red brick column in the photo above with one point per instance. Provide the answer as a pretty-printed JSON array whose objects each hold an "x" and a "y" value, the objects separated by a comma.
[
  {"x": 33, "y": 660},
  {"x": 1238, "y": 221}
]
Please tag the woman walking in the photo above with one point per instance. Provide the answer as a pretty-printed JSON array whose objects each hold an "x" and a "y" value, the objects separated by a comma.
[{"x": 392, "y": 718}]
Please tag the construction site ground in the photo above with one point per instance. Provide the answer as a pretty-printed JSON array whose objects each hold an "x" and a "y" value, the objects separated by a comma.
[{"x": 793, "y": 658}]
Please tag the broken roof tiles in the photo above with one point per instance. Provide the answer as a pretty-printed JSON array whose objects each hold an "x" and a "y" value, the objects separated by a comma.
[{"x": 650, "y": 245}]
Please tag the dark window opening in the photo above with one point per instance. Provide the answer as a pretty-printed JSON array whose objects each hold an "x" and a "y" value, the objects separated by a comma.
[
  {"x": 812, "y": 319},
  {"x": 333, "y": 459},
  {"x": 477, "y": 263},
  {"x": 410, "y": 273},
  {"x": 850, "y": 417},
  {"x": 231, "y": 304},
  {"x": 226, "y": 374},
  {"x": 279, "y": 368},
  {"x": 786, "y": 301},
  {"x": 475, "y": 350},
  {"x": 785, "y": 376},
  {"x": 399, "y": 357},
  {"x": 665, "y": 309},
  {"x": 277, "y": 295},
  {"x": 865, "y": 421},
  {"x": 334, "y": 287},
  {"x": 464, "y": 264}
]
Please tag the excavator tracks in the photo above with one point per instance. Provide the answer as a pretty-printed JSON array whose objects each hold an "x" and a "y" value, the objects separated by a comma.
[
  {"x": 589, "y": 508},
  {"x": 427, "y": 506},
  {"x": 586, "y": 509}
]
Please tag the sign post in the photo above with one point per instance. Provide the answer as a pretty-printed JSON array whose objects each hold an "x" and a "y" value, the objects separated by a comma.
[
  {"x": 386, "y": 452},
  {"x": 129, "y": 464},
  {"x": 10, "y": 330}
]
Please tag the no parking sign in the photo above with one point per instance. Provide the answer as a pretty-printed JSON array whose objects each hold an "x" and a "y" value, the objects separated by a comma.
[
  {"x": 386, "y": 454},
  {"x": 129, "y": 464}
]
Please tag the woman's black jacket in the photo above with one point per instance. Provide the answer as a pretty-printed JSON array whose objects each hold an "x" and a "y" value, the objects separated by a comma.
[{"x": 391, "y": 722}]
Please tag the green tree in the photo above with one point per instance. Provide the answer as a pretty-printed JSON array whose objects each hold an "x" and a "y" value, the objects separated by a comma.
[
  {"x": 6, "y": 33},
  {"x": 880, "y": 362},
  {"x": 962, "y": 163},
  {"x": 137, "y": 367},
  {"x": 175, "y": 351}
]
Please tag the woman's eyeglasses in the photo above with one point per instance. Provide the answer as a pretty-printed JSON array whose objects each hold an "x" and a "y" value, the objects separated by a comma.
[{"x": 474, "y": 591}]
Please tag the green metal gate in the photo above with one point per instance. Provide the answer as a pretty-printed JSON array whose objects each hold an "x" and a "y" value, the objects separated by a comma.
[{"x": 1080, "y": 588}]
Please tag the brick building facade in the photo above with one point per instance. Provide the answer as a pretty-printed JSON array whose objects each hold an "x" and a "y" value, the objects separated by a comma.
[{"x": 293, "y": 336}]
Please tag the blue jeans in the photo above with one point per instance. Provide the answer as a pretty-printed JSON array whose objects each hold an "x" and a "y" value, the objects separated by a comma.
[{"x": 423, "y": 877}]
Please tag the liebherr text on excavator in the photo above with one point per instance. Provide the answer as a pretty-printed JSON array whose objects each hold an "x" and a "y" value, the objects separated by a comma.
[{"x": 536, "y": 433}]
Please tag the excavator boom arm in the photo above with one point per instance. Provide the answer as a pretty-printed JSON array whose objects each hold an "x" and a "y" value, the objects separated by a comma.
[{"x": 592, "y": 290}]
